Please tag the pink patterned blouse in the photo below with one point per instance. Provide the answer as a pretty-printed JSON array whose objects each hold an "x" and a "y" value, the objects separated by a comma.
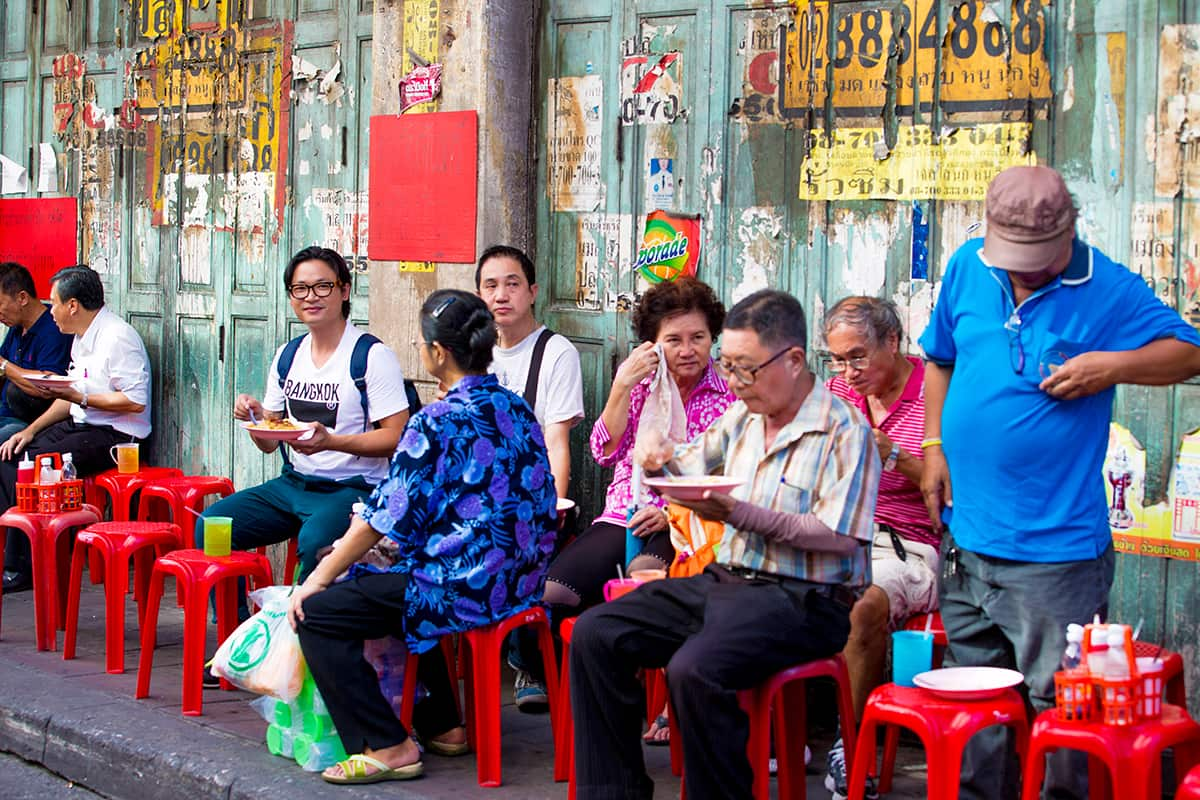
[{"x": 707, "y": 403}]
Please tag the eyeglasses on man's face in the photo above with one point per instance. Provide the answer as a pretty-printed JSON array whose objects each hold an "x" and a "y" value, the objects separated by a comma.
[
  {"x": 838, "y": 364},
  {"x": 299, "y": 291},
  {"x": 745, "y": 375}
]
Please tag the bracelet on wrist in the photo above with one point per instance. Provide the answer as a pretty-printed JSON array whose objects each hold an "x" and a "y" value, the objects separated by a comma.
[{"x": 927, "y": 443}]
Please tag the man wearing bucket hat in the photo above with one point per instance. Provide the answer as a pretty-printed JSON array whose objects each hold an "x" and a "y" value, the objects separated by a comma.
[{"x": 1032, "y": 331}]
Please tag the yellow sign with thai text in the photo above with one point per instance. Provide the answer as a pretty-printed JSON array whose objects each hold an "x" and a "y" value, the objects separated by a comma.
[
  {"x": 957, "y": 164},
  {"x": 421, "y": 36}
]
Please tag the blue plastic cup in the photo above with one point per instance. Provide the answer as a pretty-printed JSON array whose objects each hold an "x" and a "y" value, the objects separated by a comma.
[{"x": 912, "y": 653}]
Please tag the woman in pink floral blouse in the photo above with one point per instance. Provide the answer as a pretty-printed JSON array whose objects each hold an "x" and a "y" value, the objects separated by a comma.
[{"x": 685, "y": 317}]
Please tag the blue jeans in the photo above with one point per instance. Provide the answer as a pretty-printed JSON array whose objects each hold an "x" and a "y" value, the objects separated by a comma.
[
  {"x": 1014, "y": 614},
  {"x": 315, "y": 510}
]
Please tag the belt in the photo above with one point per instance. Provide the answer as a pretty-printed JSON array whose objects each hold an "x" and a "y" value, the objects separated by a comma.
[{"x": 834, "y": 591}]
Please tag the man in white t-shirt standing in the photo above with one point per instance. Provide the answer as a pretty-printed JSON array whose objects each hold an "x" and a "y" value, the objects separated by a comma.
[
  {"x": 354, "y": 432},
  {"x": 505, "y": 280},
  {"x": 542, "y": 367}
]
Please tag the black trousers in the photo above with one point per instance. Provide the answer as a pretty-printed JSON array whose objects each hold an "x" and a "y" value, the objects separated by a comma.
[
  {"x": 88, "y": 446},
  {"x": 715, "y": 634},
  {"x": 336, "y": 621}
]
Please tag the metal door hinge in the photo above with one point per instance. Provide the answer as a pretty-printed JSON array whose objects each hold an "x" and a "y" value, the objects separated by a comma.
[{"x": 221, "y": 344}]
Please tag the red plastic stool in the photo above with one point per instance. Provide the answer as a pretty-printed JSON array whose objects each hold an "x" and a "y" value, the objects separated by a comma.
[
  {"x": 564, "y": 730},
  {"x": 116, "y": 543},
  {"x": 290, "y": 561},
  {"x": 178, "y": 496},
  {"x": 195, "y": 576},
  {"x": 408, "y": 692},
  {"x": 120, "y": 487},
  {"x": 1131, "y": 753},
  {"x": 945, "y": 727},
  {"x": 781, "y": 700},
  {"x": 481, "y": 652},
  {"x": 46, "y": 545},
  {"x": 1189, "y": 787}
]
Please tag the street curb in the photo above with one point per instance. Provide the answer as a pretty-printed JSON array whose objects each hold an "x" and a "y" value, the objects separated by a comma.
[{"x": 125, "y": 749}]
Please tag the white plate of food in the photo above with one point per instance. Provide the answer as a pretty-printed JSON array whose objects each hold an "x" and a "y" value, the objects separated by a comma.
[
  {"x": 693, "y": 487},
  {"x": 50, "y": 381},
  {"x": 282, "y": 430},
  {"x": 968, "y": 683}
]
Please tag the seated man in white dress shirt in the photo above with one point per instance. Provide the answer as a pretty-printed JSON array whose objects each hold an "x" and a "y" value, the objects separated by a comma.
[{"x": 108, "y": 403}]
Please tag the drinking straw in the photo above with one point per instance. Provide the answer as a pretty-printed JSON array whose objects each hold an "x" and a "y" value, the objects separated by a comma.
[
  {"x": 928, "y": 625},
  {"x": 1158, "y": 653},
  {"x": 194, "y": 511},
  {"x": 620, "y": 573},
  {"x": 1137, "y": 629}
]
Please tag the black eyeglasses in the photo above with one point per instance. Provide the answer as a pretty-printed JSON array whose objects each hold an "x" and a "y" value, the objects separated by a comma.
[
  {"x": 442, "y": 306},
  {"x": 299, "y": 291},
  {"x": 746, "y": 375},
  {"x": 1016, "y": 355}
]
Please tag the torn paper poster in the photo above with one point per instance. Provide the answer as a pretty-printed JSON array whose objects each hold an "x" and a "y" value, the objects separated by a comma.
[
  {"x": 303, "y": 70},
  {"x": 660, "y": 184},
  {"x": 670, "y": 247},
  {"x": 601, "y": 257},
  {"x": 13, "y": 177},
  {"x": 651, "y": 93},
  {"x": 47, "y": 168},
  {"x": 575, "y": 134},
  {"x": 421, "y": 85}
]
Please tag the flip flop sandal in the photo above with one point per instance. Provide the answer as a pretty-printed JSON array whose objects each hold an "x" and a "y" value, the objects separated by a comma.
[
  {"x": 354, "y": 770},
  {"x": 663, "y": 724},
  {"x": 449, "y": 749}
]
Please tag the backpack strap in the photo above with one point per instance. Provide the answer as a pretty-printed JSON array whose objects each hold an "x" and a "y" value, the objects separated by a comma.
[
  {"x": 358, "y": 370},
  {"x": 286, "y": 356},
  {"x": 535, "y": 367}
]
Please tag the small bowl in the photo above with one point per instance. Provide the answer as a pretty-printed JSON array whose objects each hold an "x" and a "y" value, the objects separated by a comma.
[{"x": 644, "y": 575}]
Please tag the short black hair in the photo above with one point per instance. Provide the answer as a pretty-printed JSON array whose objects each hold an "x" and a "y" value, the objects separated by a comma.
[
  {"x": 460, "y": 322},
  {"x": 777, "y": 318},
  {"x": 330, "y": 257},
  {"x": 14, "y": 279},
  {"x": 505, "y": 251},
  {"x": 681, "y": 296},
  {"x": 80, "y": 283}
]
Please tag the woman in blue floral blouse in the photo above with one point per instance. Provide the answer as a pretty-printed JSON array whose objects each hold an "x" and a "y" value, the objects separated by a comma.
[{"x": 469, "y": 509}]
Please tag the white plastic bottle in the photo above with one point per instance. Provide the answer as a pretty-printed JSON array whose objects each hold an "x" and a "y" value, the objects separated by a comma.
[
  {"x": 68, "y": 468},
  {"x": 1116, "y": 662},
  {"x": 1097, "y": 654},
  {"x": 48, "y": 474},
  {"x": 1073, "y": 655}
]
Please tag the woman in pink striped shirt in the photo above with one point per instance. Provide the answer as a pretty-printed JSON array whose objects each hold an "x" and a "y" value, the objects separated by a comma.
[{"x": 863, "y": 336}]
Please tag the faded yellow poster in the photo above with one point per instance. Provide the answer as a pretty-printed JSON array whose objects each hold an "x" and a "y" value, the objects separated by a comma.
[
  {"x": 955, "y": 165},
  {"x": 1167, "y": 530},
  {"x": 421, "y": 36}
]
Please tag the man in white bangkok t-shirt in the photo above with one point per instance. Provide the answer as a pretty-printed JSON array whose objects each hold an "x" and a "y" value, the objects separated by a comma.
[
  {"x": 505, "y": 280},
  {"x": 352, "y": 437}
]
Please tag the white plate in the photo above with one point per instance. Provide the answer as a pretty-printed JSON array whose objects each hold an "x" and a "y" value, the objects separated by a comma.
[
  {"x": 276, "y": 434},
  {"x": 693, "y": 487},
  {"x": 564, "y": 505},
  {"x": 50, "y": 381},
  {"x": 968, "y": 683}
]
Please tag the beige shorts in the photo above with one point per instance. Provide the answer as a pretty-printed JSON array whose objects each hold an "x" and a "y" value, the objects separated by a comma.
[{"x": 911, "y": 585}]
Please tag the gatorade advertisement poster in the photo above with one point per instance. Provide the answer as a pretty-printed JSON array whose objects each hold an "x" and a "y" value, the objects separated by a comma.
[{"x": 670, "y": 247}]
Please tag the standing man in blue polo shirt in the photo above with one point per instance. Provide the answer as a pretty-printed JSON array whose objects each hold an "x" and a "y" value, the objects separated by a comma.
[
  {"x": 1032, "y": 331},
  {"x": 33, "y": 345}
]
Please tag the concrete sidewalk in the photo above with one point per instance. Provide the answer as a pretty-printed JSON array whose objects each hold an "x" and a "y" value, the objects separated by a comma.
[{"x": 84, "y": 724}]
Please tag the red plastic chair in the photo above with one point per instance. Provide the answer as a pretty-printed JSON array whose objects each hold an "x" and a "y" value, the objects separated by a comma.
[
  {"x": 1189, "y": 787},
  {"x": 564, "y": 730},
  {"x": 945, "y": 727},
  {"x": 178, "y": 496},
  {"x": 1131, "y": 753},
  {"x": 480, "y": 650},
  {"x": 195, "y": 576},
  {"x": 781, "y": 700},
  {"x": 116, "y": 543},
  {"x": 120, "y": 487},
  {"x": 46, "y": 545}
]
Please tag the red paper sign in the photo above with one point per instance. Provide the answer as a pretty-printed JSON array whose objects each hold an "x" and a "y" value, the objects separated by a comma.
[
  {"x": 420, "y": 86},
  {"x": 41, "y": 235},
  {"x": 423, "y": 187}
]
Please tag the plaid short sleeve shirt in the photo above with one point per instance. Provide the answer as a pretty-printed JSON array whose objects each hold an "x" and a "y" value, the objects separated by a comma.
[{"x": 823, "y": 462}]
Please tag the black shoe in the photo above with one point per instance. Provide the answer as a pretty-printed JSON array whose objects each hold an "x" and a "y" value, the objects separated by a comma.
[
  {"x": 17, "y": 582},
  {"x": 209, "y": 680}
]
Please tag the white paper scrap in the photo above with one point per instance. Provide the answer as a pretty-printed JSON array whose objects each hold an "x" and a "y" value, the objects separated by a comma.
[
  {"x": 13, "y": 177},
  {"x": 47, "y": 168}
]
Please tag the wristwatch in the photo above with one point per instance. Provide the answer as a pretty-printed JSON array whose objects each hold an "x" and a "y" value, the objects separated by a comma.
[
  {"x": 83, "y": 398},
  {"x": 892, "y": 458}
]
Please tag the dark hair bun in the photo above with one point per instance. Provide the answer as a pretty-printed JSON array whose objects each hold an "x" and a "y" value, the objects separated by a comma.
[{"x": 460, "y": 322}]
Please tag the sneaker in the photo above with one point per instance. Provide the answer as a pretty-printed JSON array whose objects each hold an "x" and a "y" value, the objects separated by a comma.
[
  {"x": 835, "y": 780},
  {"x": 210, "y": 681},
  {"x": 529, "y": 694}
]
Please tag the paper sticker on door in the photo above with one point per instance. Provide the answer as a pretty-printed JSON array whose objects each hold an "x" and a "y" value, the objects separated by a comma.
[
  {"x": 660, "y": 184},
  {"x": 651, "y": 88}
]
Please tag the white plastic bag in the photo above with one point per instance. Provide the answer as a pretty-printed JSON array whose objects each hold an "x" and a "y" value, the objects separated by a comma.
[{"x": 263, "y": 655}]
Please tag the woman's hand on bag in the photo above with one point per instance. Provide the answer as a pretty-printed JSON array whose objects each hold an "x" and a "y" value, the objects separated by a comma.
[
  {"x": 640, "y": 365},
  {"x": 648, "y": 520},
  {"x": 303, "y": 592}
]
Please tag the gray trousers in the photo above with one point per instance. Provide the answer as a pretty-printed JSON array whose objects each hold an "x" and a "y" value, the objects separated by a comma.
[{"x": 1014, "y": 614}]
